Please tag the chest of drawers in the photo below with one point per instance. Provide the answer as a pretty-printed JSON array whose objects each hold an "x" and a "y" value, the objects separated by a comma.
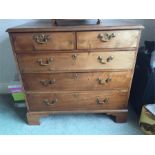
[{"x": 76, "y": 69}]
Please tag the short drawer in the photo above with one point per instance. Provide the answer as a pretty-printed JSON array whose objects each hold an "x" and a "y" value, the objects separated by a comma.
[
  {"x": 76, "y": 81},
  {"x": 40, "y": 63},
  {"x": 107, "y": 39},
  {"x": 77, "y": 101},
  {"x": 43, "y": 41}
]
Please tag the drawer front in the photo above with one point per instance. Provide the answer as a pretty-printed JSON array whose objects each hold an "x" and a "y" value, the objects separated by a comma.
[
  {"x": 76, "y": 81},
  {"x": 77, "y": 101},
  {"x": 43, "y": 41},
  {"x": 73, "y": 62},
  {"x": 107, "y": 39}
]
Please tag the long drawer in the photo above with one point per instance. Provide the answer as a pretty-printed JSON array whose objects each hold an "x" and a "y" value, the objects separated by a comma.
[
  {"x": 77, "y": 100},
  {"x": 76, "y": 81},
  {"x": 107, "y": 39},
  {"x": 39, "y": 63},
  {"x": 43, "y": 41}
]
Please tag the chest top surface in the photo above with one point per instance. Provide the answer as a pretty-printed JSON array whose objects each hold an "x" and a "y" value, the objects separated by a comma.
[{"x": 47, "y": 25}]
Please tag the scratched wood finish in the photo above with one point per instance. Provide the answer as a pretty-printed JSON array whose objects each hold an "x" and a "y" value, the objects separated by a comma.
[
  {"x": 122, "y": 39},
  {"x": 77, "y": 100},
  {"x": 83, "y": 61},
  {"x": 76, "y": 81},
  {"x": 56, "y": 41}
]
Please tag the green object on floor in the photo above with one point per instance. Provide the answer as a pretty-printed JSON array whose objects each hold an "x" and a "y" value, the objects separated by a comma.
[{"x": 18, "y": 96}]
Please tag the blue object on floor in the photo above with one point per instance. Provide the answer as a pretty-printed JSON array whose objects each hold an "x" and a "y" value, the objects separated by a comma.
[{"x": 12, "y": 122}]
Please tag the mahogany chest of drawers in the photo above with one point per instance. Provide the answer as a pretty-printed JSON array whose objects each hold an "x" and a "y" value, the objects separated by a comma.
[{"x": 76, "y": 69}]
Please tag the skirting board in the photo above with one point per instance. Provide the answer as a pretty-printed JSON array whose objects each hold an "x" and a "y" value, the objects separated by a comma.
[{"x": 4, "y": 86}]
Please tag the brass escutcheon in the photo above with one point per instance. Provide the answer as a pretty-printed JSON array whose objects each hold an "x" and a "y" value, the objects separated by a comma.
[{"x": 74, "y": 56}]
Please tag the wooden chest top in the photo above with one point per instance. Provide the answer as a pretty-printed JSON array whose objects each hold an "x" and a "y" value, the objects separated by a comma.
[{"x": 50, "y": 27}]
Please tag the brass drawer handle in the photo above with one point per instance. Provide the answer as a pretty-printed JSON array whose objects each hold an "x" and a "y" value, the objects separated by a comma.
[
  {"x": 52, "y": 102},
  {"x": 101, "y": 60},
  {"x": 104, "y": 101},
  {"x": 103, "y": 81},
  {"x": 110, "y": 58},
  {"x": 47, "y": 82},
  {"x": 46, "y": 63},
  {"x": 104, "y": 37},
  {"x": 41, "y": 38}
]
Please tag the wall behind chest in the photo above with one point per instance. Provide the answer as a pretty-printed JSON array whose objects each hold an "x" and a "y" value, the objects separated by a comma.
[{"x": 8, "y": 71}]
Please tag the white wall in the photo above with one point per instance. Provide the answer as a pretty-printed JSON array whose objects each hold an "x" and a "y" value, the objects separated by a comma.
[{"x": 8, "y": 71}]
